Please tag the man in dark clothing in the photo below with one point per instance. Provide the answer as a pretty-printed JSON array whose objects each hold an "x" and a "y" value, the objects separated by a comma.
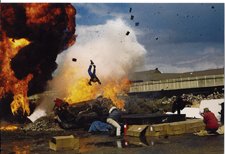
[
  {"x": 178, "y": 105},
  {"x": 93, "y": 76},
  {"x": 211, "y": 121},
  {"x": 222, "y": 113}
]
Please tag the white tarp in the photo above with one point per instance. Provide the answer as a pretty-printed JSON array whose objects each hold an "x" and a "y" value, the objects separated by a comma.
[
  {"x": 37, "y": 114},
  {"x": 43, "y": 109},
  {"x": 213, "y": 105},
  {"x": 190, "y": 112}
]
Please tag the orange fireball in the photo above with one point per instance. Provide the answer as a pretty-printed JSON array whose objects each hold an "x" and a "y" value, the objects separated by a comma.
[
  {"x": 79, "y": 90},
  {"x": 8, "y": 81}
]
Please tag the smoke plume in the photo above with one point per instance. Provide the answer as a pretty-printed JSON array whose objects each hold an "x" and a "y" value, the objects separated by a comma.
[{"x": 114, "y": 53}]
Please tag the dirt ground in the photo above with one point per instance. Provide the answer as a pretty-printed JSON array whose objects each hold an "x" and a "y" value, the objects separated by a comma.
[{"x": 24, "y": 142}]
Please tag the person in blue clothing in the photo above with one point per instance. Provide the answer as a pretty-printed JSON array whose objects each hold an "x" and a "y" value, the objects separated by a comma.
[
  {"x": 114, "y": 119},
  {"x": 93, "y": 76}
]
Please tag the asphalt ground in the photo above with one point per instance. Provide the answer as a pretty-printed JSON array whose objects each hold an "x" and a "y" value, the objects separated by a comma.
[{"x": 22, "y": 142}]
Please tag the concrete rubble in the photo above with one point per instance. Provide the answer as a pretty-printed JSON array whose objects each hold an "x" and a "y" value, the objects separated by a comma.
[
  {"x": 46, "y": 123},
  {"x": 133, "y": 105}
]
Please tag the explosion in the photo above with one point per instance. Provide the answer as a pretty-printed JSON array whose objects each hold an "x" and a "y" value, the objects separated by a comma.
[
  {"x": 115, "y": 56},
  {"x": 81, "y": 91},
  {"x": 9, "y": 83},
  {"x": 32, "y": 35}
]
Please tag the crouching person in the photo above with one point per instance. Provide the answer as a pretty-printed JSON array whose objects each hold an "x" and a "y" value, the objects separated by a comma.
[
  {"x": 211, "y": 121},
  {"x": 114, "y": 118}
]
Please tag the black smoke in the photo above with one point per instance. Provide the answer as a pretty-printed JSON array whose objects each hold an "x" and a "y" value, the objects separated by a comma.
[
  {"x": 47, "y": 39},
  {"x": 51, "y": 32}
]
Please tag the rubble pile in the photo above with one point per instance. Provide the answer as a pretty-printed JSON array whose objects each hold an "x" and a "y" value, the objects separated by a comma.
[
  {"x": 46, "y": 123},
  {"x": 83, "y": 113},
  {"x": 215, "y": 95},
  {"x": 135, "y": 105}
]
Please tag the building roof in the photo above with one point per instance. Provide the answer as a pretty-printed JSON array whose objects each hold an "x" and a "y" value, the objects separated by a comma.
[{"x": 154, "y": 75}]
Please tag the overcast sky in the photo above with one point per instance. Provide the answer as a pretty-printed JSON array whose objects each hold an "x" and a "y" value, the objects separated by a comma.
[{"x": 176, "y": 37}]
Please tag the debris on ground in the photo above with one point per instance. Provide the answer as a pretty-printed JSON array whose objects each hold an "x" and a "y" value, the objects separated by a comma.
[
  {"x": 220, "y": 131},
  {"x": 135, "y": 105},
  {"x": 88, "y": 111},
  {"x": 46, "y": 123}
]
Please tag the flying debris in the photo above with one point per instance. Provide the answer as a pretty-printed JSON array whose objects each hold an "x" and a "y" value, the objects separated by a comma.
[
  {"x": 130, "y": 10},
  {"x": 74, "y": 59},
  {"x": 156, "y": 38},
  {"x": 212, "y": 7},
  {"x": 136, "y": 23},
  {"x": 131, "y": 17},
  {"x": 127, "y": 33}
]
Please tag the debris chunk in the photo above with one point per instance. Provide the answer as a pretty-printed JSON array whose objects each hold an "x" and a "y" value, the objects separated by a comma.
[
  {"x": 131, "y": 17},
  {"x": 137, "y": 24},
  {"x": 127, "y": 33},
  {"x": 130, "y": 9},
  {"x": 74, "y": 59},
  {"x": 156, "y": 38}
]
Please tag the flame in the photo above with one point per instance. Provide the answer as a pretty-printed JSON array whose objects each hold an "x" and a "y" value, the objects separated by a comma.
[
  {"x": 42, "y": 13},
  {"x": 39, "y": 13},
  {"x": 110, "y": 88},
  {"x": 47, "y": 25},
  {"x": 8, "y": 81},
  {"x": 8, "y": 128},
  {"x": 113, "y": 88},
  {"x": 70, "y": 13}
]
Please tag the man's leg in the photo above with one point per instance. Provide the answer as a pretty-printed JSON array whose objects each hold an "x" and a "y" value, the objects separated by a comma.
[
  {"x": 115, "y": 124},
  {"x": 94, "y": 71},
  {"x": 89, "y": 70},
  {"x": 89, "y": 82},
  {"x": 99, "y": 82},
  {"x": 94, "y": 74}
]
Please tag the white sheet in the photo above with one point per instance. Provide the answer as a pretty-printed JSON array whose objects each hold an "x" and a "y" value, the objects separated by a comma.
[{"x": 213, "y": 105}]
